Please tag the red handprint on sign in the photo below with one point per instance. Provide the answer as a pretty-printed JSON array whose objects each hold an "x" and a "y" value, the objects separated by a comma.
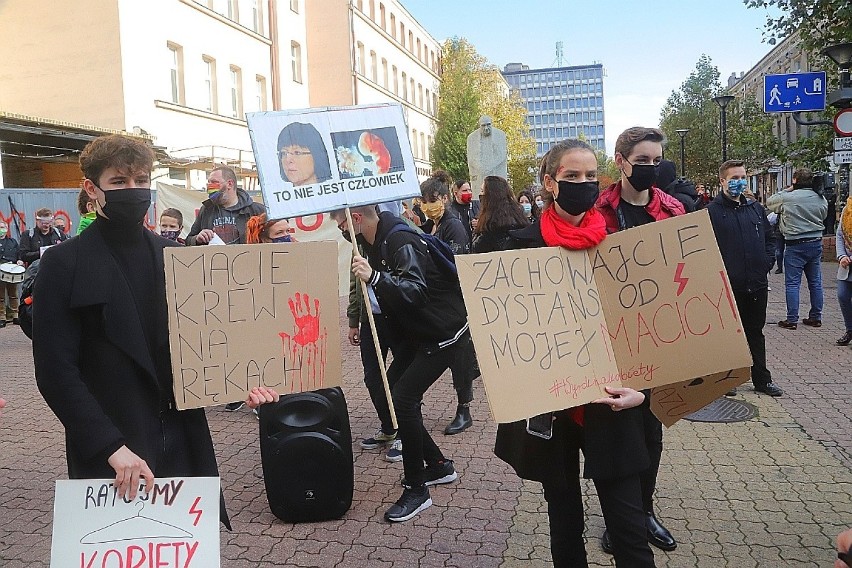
[{"x": 305, "y": 350}]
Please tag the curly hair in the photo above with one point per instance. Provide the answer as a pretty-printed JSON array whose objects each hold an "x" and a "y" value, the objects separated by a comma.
[
  {"x": 115, "y": 151},
  {"x": 258, "y": 227}
]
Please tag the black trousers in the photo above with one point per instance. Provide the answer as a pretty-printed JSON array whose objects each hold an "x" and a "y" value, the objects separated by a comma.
[
  {"x": 621, "y": 504},
  {"x": 372, "y": 372},
  {"x": 464, "y": 369},
  {"x": 411, "y": 374},
  {"x": 654, "y": 442},
  {"x": 752, "y": 308}
]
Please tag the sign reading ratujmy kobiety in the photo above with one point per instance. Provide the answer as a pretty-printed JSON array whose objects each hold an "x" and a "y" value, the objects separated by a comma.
[
  {"x": 243, "y": 316},
  {"x": 647, "y": 307},
  {"x": 321, "y": 159},
  {"x": 175, "y": 525}
]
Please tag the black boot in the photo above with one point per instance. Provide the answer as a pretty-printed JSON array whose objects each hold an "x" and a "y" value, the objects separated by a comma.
[{"x": 461, "y": 422}]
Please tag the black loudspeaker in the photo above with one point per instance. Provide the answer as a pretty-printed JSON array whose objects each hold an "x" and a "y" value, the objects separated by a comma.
[{"x": 306, "y": 451}]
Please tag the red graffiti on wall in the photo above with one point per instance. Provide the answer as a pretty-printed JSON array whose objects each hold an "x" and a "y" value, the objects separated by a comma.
[{"x": 300, "y": 222}]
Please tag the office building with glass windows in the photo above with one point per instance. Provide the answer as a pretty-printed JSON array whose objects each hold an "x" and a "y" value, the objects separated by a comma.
[{"x": 562, "y": 102}]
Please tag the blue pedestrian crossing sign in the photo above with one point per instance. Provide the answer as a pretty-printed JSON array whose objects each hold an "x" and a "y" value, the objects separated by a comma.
[{"x": 794, "y": 92}]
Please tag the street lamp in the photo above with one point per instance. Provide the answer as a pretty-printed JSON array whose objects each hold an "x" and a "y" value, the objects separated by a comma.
[
  {"x": 682, "y": 132},
  {"x": 723, "y": 101},
  {"x": 841, "y": 55}
]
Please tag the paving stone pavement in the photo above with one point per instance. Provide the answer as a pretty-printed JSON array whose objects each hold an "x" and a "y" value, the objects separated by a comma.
[{"x": 773, "y": 491}]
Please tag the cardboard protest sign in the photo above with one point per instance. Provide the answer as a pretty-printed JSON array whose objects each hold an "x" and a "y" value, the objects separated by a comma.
[
  {"x": 647, "y": 307},
  {"x": 669, "y": 307},
  {"x": 176, "y": 525},
  {"x": 322, "y": 159},
  {"x": 242, "y": 316},
  {"x": 672, "y": 402}
]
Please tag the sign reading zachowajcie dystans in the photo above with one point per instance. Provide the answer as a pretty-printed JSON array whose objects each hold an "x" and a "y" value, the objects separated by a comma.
[{"x": 314, "y": 160}]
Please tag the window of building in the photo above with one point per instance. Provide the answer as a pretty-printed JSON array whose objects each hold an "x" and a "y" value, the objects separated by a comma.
[
  {"x": 432, "y": 59},
  {"x": 211, "y": 102},
  {"x": 233, "y": 10},
  {"x": 434, "y": 103},
  {"x": 384, "y": 73},
  {"x": 410, "y": 42},
  {"x": 257, "y": 16},
  {"x": 260, "y": 92},
  {"x": 176, "y": 73},
  {"x": 423, "y": 149},
  {"x": 373, "y": 10},
  {"x": 361, "y": 5},
  {"x": 236, "y": 92},
  {"x": 402, "y": 34},
  {"x": 296, "y": 61},
  {"x": 404, "y": 86},
  {"x": 382, "y": 20},
  {"x": 374, "y": 67},
  {"x": 294, "y": 5},
  {"x": 393, "y": 26},
  {"x": 428, "y": 102},
  {"x": 419, "y": 50},
  {"x": 414, "y": 143},
  {"x": 413, "y": 93},
  {"x": 420, "y": 95},
  {"x": 395, "y": 81},
  {"x": 359, "y": 58}
]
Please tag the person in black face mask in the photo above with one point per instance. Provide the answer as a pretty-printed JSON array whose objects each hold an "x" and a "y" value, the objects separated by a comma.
[
  {"x": 546, "y": 448},
  {"x": 628, "y": 203},
  {"x": 100, "y": 337}
]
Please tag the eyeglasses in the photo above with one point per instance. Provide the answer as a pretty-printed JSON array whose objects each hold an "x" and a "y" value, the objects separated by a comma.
[{"x": 284, "y": 154}]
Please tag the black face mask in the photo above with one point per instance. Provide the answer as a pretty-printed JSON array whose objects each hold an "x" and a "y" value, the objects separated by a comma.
[
  {"x": 126, "y": 206},
  {"x": 576, "y": 198},
  {"x": 346, "y": 235},
  {"x": 643, "y": 176}
]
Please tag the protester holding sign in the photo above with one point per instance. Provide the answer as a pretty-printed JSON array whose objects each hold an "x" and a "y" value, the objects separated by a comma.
[
  {"x": 609, "y": 430},
  {"x": 410, "y": 287},
  {"x": 100, "y": 336},
  {"x": 630, "y": 202}
]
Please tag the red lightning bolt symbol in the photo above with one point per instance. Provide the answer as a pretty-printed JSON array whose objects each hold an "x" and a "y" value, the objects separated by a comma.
[
  {"x": 680, "y": 279},
  {"x": 196, "y": 512}
]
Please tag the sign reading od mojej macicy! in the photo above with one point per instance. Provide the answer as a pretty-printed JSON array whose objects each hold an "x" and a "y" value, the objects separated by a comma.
[
  {"x": 322, "y": 159},
  {"x": 647, "y": 307},
  {"x": 244, "y": 316},
  {"x": 174, "y": 525}
]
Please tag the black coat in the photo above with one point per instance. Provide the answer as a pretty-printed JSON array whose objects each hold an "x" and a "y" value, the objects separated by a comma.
[
  {"x": 464, "y": 213},
  {"x": 745, "y": 240},
  {"x": 613, "y": 442},
  {"x": 8, "y": 249},
  {"x": 96, "y": 372},
  {"x": 32, "y": 240}
]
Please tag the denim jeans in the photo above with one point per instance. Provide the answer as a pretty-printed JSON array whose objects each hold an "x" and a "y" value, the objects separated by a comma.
[
  {"x": 798, "y": 258},
  {"x": 844, "y": 296}
]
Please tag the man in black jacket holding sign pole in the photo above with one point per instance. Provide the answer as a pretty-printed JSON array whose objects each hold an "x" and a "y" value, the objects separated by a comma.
[{"x": 423, "y": 307}]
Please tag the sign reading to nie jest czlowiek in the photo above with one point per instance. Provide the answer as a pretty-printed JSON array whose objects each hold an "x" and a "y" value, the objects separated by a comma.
[
  {"x": 322, "y": 159},
  {"x": 648, "y": 307},
  {"x": 794, "y": 92},
  {"x": 175, "y": 525},
  {"x": 244, "y": 316}
]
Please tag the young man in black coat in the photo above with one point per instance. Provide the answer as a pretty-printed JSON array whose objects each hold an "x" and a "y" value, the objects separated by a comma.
[
  {"x": 44, "y": 234},
  {"x": 100, "y": 336},
  {"x": 426, "y": 315},
  {"x": 747, "y": 245}
]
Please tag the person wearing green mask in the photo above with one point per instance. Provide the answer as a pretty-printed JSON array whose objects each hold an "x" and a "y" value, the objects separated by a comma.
[{"x": 8, "y": 253}]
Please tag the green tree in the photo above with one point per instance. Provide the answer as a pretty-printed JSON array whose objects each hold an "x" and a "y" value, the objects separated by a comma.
[
  {"x": 750, "y": 136},
  {"x": 820, "y": 23},
  {"x": 471, "y": 87}
]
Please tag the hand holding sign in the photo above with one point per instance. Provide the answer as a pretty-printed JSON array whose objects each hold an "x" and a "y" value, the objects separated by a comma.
[
  {"x": 261, "y": 395},
  {"x": 128, "y": 469}
]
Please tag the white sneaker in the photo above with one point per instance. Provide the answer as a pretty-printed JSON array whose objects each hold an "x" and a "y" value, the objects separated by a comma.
[{"x": 395, "y": 452}]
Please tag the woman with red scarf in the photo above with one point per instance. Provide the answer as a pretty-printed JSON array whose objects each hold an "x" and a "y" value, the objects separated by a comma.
[{"x": 609, "y": 430}]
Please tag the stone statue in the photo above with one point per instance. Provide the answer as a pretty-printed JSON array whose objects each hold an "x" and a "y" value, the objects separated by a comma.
[{"x": 487, "y": 154}]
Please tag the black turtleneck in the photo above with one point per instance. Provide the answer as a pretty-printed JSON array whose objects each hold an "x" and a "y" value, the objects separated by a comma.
[{"x": 135, "y": 259}]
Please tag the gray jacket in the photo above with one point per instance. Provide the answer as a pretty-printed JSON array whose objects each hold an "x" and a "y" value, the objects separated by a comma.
[{"x": 802, "y": 212}]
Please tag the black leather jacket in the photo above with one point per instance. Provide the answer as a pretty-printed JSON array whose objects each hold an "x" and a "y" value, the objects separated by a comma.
[
  {"x": 745, "y": 240},
  {"x": 419, "y": 301}
]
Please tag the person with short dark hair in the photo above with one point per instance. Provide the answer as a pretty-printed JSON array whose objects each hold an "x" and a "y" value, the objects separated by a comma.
[
  {"x": 745, "y": 240},
  {"x": 171, "y": 224},
  {"x": 8, "y": 254},
  {"x": 86, "y": 209},
  {"x": 630, "y": 202},
  {"x": 425, "y": 312},
  {"x": 101, "y": 341},
  {"x": 462, "y": 206},
  {"x": 802, "y": 214},
  {"x": 44, "y": 234},
  {"x": 302, "y": 157},
  {"x": 225, "y": 212}
]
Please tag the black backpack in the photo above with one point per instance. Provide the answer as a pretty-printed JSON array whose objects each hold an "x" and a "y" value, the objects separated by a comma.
[
  {"x": 25, "y": 307},
  {"x": 441, "y": 253},
  {"x": 683, "y": 190}
]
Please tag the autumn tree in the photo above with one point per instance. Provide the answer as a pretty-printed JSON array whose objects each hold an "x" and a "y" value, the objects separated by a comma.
[{"x": 471, "y": 87}]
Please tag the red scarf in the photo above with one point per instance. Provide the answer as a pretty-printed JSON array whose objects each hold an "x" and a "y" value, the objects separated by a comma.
[{"x": 557, "y": 232}]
